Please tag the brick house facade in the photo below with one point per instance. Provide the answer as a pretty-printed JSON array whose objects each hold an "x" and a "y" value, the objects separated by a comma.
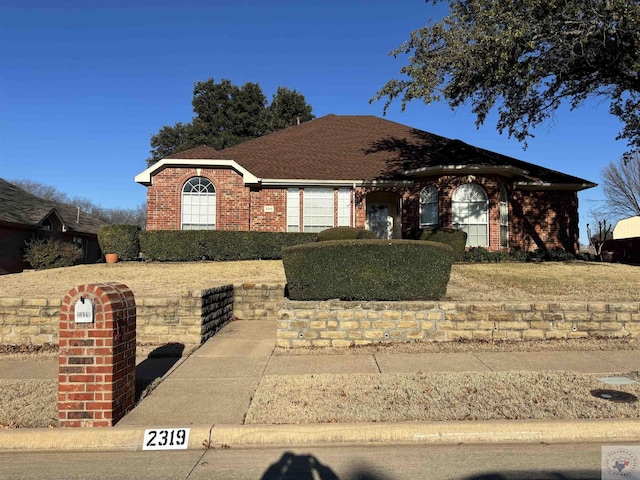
[{"x": 365, "y": 172}]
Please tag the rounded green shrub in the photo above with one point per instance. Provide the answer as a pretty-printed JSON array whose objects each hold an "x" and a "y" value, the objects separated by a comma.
[
  {"x": 120, "y": 239},
  {"x": 368, "y": 270},
  {"x": 43, "y": 253},
  {"x": 456, "y": 239},
  {"x": 345, "y": 233}
]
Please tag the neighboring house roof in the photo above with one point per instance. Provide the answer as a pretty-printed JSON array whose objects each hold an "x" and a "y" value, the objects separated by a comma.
[
  {"x": 345, "y": 148},
  {"x": 22, "y": 208},
  {"x": 627, "y": 228}
]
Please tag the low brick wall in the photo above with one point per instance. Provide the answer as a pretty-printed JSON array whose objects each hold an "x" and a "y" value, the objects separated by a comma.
[
  {"x": 190, "y": 318},
  {"x": 336, "y": 323}
]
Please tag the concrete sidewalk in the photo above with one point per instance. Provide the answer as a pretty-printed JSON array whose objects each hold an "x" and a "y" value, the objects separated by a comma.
[{"x": 210, "y": 391}]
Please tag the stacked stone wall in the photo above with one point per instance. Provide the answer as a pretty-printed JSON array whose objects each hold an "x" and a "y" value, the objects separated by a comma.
[
  {"x": 341, "y": 324},
  {"x": 190, "y": 318}
]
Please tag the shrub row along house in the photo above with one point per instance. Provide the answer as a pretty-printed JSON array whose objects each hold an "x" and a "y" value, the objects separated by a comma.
[
  {"x": 364, "y": 171},
  {"x": 24, "y": 217}
]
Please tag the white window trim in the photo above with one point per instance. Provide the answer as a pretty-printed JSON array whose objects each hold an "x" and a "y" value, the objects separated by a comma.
[
  {"x": 458, "y": 202},
  {"x": 429, "y": 203},
  {"x": 205, "y": 205}
]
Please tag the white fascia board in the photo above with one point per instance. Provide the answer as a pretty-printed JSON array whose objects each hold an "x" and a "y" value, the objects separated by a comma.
[
  {"x": 423, "y": 171},
  {"x": 145, "y": 177},
  {"x": 289, "y": 182},
  {"x": 552, "y": 186},
  {"x": 293, "y": 182}
]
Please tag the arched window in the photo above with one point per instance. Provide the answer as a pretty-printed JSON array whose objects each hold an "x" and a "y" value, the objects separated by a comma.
[
  {"x": 198, "y": 204},
  {"x": 470, "y": 213},
  {"x": 429, "y": 207},
  {"x": 504, "y": 218}
]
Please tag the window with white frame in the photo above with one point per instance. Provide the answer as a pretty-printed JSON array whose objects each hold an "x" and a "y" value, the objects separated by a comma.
[
  {"x": 504, "y": 218},
  {"x": 293, "y": 210},
  {"x": 317, "y": 211},
  {"x": 470, "y": 213},
  {"x": 428, "y": 207},
  {"x": 344, "y": 207},
  {"x": 198, "y": 204}
]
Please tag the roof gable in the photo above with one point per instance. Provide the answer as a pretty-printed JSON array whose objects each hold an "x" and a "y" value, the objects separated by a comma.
[
  {"x": 22, "y": 208},
  {"x": 368, "y": 148}
]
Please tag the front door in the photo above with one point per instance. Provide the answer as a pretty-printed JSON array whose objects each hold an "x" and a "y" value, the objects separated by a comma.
[{"x": 379, "y": 221}]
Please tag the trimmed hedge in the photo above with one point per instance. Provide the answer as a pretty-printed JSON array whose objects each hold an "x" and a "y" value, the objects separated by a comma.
[
  {"x": 456, "y": 239},
  {"x": 482, "y": 255},
  {"x": 120, "y": 239},
  {"x": 345, "y": 233},
  {"x": 368, "y": 270},
  {"x": 192, "y": 245}
]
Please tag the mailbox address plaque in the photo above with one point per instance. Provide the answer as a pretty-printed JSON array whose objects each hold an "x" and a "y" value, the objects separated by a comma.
[{"x": 84, "y": 311}]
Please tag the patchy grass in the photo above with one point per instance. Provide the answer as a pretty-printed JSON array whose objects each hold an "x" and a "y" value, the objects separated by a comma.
[
  {"x": 462, "y": 345},
  {"x": 28, "y": 403},
  {"x": 330, "y": 398},
  {"x": 551, "y": 281},
  {"x": 513, "y": 282}
]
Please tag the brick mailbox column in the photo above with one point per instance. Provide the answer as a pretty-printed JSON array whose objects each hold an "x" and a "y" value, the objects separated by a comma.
[{"x": 97, "y": 361}]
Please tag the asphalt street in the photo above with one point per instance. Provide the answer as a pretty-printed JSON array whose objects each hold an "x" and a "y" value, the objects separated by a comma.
[{"x": 367, "y": 462}]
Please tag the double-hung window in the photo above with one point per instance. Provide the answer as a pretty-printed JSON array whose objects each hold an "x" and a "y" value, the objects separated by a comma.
[
  {"x": 504, "y": 218},
  {"x": 317, "y": 212},
  {"x": 429, "y": 207},
  {"x": 470, "y": 213},
  {"x": 320, "y": 209}
]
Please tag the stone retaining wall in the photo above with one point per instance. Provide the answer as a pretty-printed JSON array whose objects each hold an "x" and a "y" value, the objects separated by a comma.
[
  {"x": 336, "y": 323},
  {"x": 190, "y": 318},
  {"x": 257, "y": 301},
  {"x": 194, "y": 316}
]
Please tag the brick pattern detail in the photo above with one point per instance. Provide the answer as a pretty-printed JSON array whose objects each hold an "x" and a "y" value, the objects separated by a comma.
[
  {"x": 96, "y": 374},
  {"x": 341, "y": 324},
  {"x": 537, "y": 219}
]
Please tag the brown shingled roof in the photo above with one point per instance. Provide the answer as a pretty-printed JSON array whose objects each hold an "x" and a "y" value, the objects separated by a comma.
[
  {"x": 203, "y": 152},
  {"x": 20, "y": 207},
  {"x": 343, "y": 147}
]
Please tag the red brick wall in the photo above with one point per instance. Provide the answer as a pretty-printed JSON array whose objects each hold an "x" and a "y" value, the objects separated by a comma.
[
  {"x": 536, "y": 219},
  {"x": 544, "y": 219},
  {"x": 96, "y": 374},
  {"x": 269, "y": 210},
  {"x": 164, "y": 198},
  {"x": 237, "y": 207}
]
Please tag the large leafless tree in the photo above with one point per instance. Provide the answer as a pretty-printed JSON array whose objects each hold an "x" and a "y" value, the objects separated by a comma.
[{"x": 621, "y": 185}]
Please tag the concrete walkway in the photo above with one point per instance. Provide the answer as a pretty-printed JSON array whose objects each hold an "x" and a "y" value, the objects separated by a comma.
[{"x": 211, "y": 389}]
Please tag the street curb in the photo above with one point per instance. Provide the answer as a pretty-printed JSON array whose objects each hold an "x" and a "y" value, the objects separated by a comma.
[{"x": 613, "y": 431}]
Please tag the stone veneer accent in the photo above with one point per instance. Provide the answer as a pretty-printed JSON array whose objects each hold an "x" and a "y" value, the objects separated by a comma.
[
  {"x": 191, "y": 318},
  {"x": 341, "y": 324},
  {"x": 180, "y": 319}
]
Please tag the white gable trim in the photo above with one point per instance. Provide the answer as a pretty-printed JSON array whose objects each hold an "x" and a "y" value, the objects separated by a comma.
[{"x": 146, "y": 177}]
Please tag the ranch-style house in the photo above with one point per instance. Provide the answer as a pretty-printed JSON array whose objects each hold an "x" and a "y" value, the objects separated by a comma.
[{"x": 368, "y": 172}]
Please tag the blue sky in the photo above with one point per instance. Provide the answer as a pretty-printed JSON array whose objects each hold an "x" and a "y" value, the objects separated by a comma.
[{"x": 84, "y": 84}]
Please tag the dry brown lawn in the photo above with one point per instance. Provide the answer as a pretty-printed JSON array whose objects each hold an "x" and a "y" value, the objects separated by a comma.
[
  {"x": 434, "y": 397},
  {"x": 579, "y": 281},
  {"x": 353, "y": 398}
]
